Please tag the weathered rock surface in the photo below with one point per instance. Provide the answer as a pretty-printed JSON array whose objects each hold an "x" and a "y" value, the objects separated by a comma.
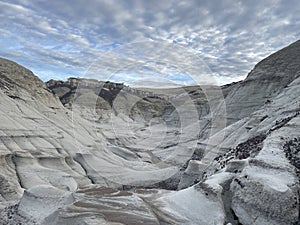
[
  {"x": 20, "y": 83},
  {"x": 103, "y": 153},
  {"x": 268, "y": 78}
]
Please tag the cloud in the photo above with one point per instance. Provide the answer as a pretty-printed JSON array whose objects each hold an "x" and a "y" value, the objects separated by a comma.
[
  {"x": 166, "y": 62},
  {"x": 11, "y": 8},
  {"x": 228, "y": 36}
]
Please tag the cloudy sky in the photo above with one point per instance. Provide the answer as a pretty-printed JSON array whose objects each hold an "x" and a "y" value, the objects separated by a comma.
[{"x": 144, "y": 42}]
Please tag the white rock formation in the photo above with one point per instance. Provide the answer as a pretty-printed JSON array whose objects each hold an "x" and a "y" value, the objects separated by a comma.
[{"x": 119, "y": 157}]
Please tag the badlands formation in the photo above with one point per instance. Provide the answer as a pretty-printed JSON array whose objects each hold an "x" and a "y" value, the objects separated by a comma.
[{"x": 83, "y": 151}]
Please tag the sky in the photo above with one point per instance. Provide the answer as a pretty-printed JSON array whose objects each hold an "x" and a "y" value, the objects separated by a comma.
[{"x": 146, "y": 42}]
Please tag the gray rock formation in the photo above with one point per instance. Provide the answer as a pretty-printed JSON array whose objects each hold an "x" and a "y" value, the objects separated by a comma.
[
  {"x": 268, "y": 78},
  {"x": 90, "y": 152},
  {"x": 20, "y": 83}
]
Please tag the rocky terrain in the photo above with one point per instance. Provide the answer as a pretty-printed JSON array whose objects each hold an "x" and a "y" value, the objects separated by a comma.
[{"x": 84, "y": 151}]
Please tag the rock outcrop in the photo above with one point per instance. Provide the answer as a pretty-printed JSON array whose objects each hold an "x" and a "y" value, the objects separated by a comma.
[
  {"x": 19, "y": 83},
  {"x": 268, "y": 78}
]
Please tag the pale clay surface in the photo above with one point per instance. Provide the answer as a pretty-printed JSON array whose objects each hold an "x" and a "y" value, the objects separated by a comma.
[{"x": 87, "y": 166}]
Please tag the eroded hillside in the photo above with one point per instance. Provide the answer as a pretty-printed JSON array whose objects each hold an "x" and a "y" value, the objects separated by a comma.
[{"x": 90, "y": 152}]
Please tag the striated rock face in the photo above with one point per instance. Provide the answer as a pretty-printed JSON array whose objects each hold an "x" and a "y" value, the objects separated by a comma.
[
  {"x": 91, "y": 152},
  {"x": 20, "y": 83},
  {"x": 268, "y": 78},
  {"x": 265, "y": 188}
]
